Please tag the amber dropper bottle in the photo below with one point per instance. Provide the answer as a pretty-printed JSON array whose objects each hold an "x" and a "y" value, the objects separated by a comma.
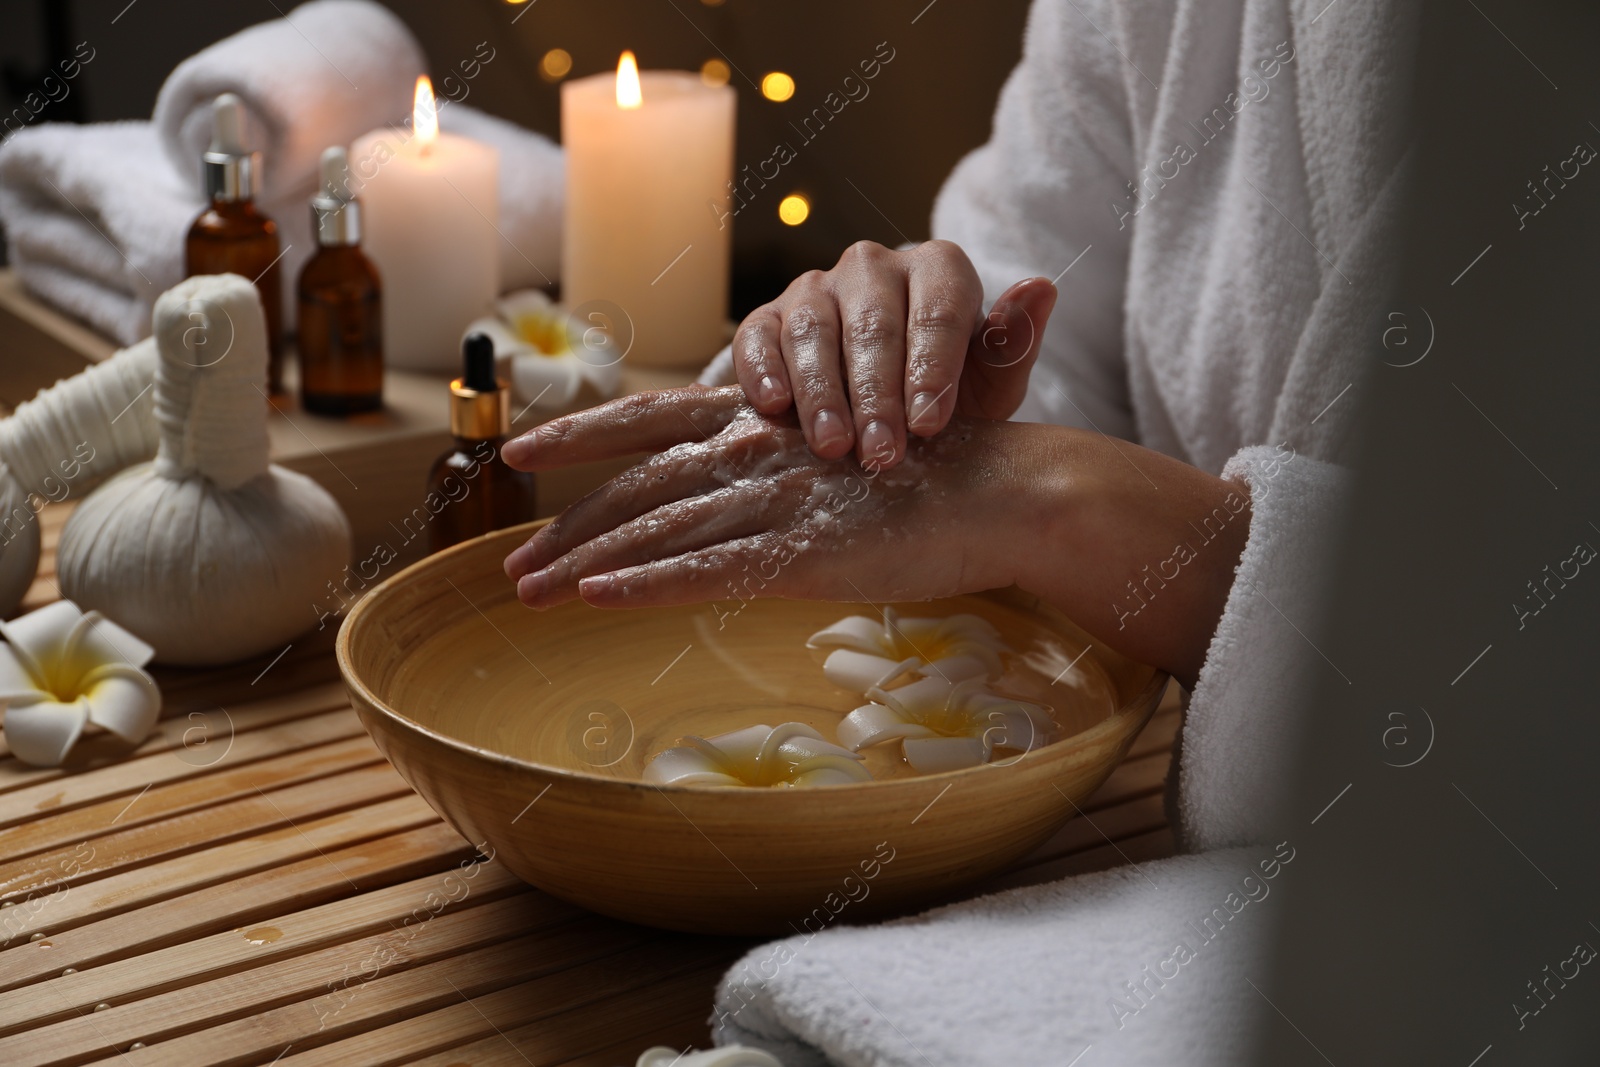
[
  {"x": 470, "y": 489},
  {"x": 232, "y": 236},
  {"x": 341, "y": 304}
]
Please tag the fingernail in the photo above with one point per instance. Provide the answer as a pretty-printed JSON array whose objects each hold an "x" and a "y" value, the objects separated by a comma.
[
  {"x": 924, "y": 411},
  {"x": 530, "y": 586},
  {"x": 828, "y": 429},
  {"x": 520, "y": 449},
  {"x": 766, "y": 390},
  {"x": 877, "y": 443},
  {"x": 595, "y": 585}
]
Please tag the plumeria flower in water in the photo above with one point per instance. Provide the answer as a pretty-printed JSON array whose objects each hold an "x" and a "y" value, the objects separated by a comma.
[
  {"x": 945, "y": 726},
  {"x": 868, "y": 653},
  {"x": 62, "y": 669},
  {"x": 552, "y": 353},
  {"x": 788, "y": 755}
]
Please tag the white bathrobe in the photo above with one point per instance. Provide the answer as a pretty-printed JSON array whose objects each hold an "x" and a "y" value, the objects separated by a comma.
[{"x": 1212, "y": 183}]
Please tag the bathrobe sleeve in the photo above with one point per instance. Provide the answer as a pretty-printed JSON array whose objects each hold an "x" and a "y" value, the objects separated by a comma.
[
  {"x": 1238, "y": 747},
  {"x": 1042, "y": 197}
]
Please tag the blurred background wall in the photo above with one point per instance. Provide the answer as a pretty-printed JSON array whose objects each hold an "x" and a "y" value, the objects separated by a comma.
[{"x": 872, "y": 172}]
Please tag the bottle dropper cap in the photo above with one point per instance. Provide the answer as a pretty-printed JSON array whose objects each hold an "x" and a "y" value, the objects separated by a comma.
[
  {"x": 480, "y": 403},
  {"x": 229, "y": 170},
  {"x": 335, "y": 214}
]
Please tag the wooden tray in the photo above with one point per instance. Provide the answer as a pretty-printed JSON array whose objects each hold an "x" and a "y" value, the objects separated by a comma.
[{"x": 255, "y": 885}]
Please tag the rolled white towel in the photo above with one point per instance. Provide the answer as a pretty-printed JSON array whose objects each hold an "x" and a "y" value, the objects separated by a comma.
[
  {"x": 329, "y": 72},
  {"x": 95, "y": 219},
  {"x": 533, "y": 184}
]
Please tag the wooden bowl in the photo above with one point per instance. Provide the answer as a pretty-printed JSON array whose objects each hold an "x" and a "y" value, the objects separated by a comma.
[{"x": 528, "y": 731}]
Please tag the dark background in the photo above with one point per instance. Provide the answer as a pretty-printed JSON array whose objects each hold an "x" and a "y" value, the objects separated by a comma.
[
  {"x": 1447, "y": 821},
  {"x": 925, "y": 110}
]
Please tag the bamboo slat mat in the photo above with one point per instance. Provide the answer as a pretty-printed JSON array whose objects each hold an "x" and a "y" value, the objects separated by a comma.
[{"x": 255, "y": 885}]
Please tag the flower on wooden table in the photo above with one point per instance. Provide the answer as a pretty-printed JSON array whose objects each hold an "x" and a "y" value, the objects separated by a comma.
[{"x": 61, "y": 670}]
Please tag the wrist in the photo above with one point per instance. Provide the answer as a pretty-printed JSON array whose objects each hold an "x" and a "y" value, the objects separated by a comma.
[
  {"x": 1138, "y": 548},
  {"x": 1026, "y": 506}
]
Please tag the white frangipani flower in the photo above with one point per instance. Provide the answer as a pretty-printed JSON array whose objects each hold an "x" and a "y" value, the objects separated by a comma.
[
  {"x": 944, "y": 726},
  {"x": 788, "y": 755},
  {"x": 551, "y": 353},
  {"x": 870, "y": 654},
  {"x": 61, "y": 669}
]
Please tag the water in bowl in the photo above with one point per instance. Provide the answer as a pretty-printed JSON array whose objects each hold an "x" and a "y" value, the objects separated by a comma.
[{"x": 605, "y": 691}]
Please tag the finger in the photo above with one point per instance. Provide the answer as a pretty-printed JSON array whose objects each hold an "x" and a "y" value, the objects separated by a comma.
[
  {"x": 661, "y": 479},
  {"x": 758, "y": 361},
  {"x": 1004, "y": 350},
  {"x": 681, "y": 527},
  {"x": 945, "y": 300},
  {"x": 810, "y": 343},
  {"x": 741, "y": 569},
  {"x": 872, "y": 315},
  {"x": 644, "y": 422}
]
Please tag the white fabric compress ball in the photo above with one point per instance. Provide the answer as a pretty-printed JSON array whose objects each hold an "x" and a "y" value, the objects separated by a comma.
[
  {"x": 19, "y": 542},
  {"x": 209, "y": 553}
]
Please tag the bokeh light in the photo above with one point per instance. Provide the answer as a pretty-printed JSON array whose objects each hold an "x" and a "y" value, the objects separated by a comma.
[
  {"x": 714, "y": 72},
  {"x": 794, "y": 209},
  {"x": 556, "y": 64},
  {"x": 777, "y": 86}
]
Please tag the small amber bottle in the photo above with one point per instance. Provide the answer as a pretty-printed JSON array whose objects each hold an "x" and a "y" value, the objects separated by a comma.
[
  {"x": 470, "y": 489},
  {"x": 232, "y": 236},
  {"x": 341, "y": 304}
]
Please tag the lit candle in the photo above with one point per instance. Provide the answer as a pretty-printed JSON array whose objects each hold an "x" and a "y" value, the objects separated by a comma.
[
  {"x": 429, "y": 208},
  {"x": 649, "y": 159}
]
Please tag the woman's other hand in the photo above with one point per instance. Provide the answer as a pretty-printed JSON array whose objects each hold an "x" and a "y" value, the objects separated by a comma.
[{"x": 888, "y": 343}]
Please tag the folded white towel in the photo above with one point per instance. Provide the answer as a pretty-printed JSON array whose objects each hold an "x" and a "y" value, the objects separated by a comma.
[
  {"x": 533, "y": 185},
  {"x": 95, "y": 215},
  {"x": 1147, "y": 965},
  {"x": 95, "y": 219},
  {"x": 326, "y": 74}
]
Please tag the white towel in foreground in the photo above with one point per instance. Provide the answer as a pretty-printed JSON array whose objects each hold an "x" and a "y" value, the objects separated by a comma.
[
  {"x": 324, "y": 75},
  {"x": 1147, "y": 965}
]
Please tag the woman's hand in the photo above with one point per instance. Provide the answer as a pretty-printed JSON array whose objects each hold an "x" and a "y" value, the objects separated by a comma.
[
  {"x": 735, "y": 506},
  {"x": 888, "y": 342}
]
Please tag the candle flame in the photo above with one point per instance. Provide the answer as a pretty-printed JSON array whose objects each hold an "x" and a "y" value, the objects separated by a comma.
[
  {"x": 425, "y": 112},
  {"x": 629, "y": 95}
]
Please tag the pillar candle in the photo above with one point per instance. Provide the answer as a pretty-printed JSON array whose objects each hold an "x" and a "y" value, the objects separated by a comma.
[
  {"x": 647, "y": 233},
  {"x": 430, "y": 210}
]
